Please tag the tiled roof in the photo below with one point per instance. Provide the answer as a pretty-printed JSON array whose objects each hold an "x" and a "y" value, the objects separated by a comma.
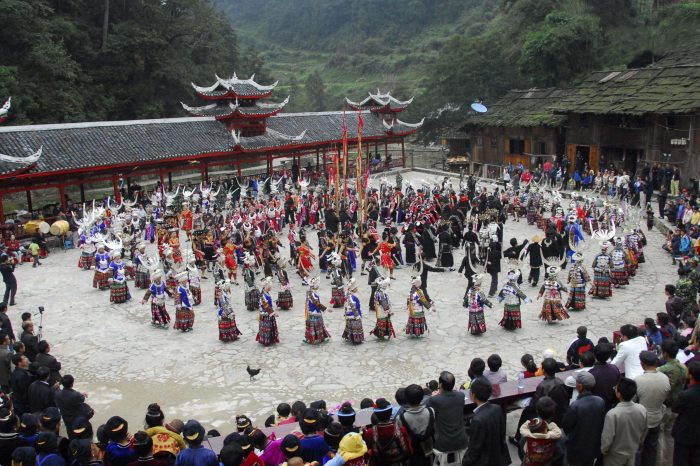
[
  {"x": 521, "y": 108},
  {"x": 655, "y": 89},
  {"x": 77, "y": 146},
  {"x": 230, "y": 109}
]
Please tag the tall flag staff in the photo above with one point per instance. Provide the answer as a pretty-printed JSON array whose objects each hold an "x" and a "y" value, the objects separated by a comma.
[
  {"x": 345, "y": 158},
  {"x": 358, "y": 172}
]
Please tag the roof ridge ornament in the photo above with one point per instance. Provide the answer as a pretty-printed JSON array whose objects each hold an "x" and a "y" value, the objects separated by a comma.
[
  {"x": 286, "y": 137},
  {"x": 28, "y": 160},
  {"x": 236, "y": 134}
]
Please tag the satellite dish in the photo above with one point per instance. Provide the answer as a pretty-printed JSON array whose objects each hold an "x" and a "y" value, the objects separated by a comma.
[{"x": 479, "y": 107}]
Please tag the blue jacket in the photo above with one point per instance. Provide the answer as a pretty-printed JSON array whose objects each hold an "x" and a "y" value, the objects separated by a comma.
[
  {"x": 583, "y": 424},
  {"x": 196, "y": 456}
]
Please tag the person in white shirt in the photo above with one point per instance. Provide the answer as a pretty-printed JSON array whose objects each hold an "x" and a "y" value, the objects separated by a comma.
[{"x": 627, "y": 358}]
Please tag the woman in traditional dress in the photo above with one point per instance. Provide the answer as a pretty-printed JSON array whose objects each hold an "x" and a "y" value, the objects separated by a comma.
[
  {"x": 141, "y": 280},
  {"x": 417, "y": 303},
  {"x": 383, "y": 312},
  {"x": 474, "y": 301},
  {"x": 409, "y": 242},
  {"x": 118, "y": 289},
  {"x": 267, "y": 322},
  {"x": 186, "y": 219},
  {"x": 315, "y": 329},
  {"x": 174, "y": 243},
  {"x": 87, "y": 257},
  {"x": 284, "y": 295},
  {"x": 305, "y": 261},
  {"x": 184, "y": 313},
  {"x": 551, "y": 290},
  {"x": 578, "y": 279},
  {"x": 337, "y": 289},
  {"x": 156, "y": 292},
  {"x": 195, "y": 280},
  {"x": 252, "y": 294},
  {"x": 511, "y": 297},
  {"x": 619, "y": 273},
  {"x": 101, "y": 278},
  {"x": 353, "y": 332},
  {"x": 220, "y": 274},
  {"x": 601, "y": 273},
  {"x": 384, "y": 248},
  {"x": 228, "y": 330}
]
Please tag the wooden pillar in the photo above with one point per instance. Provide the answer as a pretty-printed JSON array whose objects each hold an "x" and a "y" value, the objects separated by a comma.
[
  {"x": 62, "y": 195},
  {"x": 386, "y": 150},
  {"x": 403, "y": 154},
  {"x": 239, "y": 167},
  {"x": 269, "y": 165},
  {"x": 324, "y": 159},
  {"x": 2, "y": 210},
  {"x": 115, "y": 184},
  {"x": 317, "y": 158},
  {"x": 161, "y": 176},
  {"x": 29, "y": 201},
  {"x": 128, "y": 184},
  {"x": 203, "y": 172},
  {"x": 170, "y": 181},
  {"x": 82, "y": 193}
]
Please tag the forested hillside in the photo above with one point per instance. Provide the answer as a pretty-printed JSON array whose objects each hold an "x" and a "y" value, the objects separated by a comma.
[
  {"x": 448, "y": 51},
  {"x": 66, "y": 60}
]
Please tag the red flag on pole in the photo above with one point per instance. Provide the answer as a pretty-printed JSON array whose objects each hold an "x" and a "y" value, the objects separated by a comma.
[
  {"x": 345, "y": 156},
  {"x": 358, "y": 158}
]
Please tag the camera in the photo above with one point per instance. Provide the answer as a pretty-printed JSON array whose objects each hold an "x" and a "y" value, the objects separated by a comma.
[{"x": 41, "y": 309}]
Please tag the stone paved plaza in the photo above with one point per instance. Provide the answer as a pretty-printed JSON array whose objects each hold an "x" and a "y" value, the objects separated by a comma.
[{"x": 124, "y": 363}]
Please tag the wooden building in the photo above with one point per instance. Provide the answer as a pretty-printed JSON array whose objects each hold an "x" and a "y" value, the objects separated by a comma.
[{"x": 627, "y": 117}]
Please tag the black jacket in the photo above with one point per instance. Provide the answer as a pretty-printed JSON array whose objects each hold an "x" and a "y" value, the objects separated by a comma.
[
  {"x": 493, "y": 262},
  {"x": 40, "y": 396},
  {"x": 46, "y": 360},
  {"x": 19, "y": 383},
  {"x": 30, "y": 343},
  {"x": 8, "y": 273},
  {"x": 583, "y": 425},
  {"x": 72, "y": 404},
  {"x": 534, "y": 250},
  {"x": 487, "y": 438},
  {"x": 6, "y": 325},
  {"x": 686, "y": 430}
]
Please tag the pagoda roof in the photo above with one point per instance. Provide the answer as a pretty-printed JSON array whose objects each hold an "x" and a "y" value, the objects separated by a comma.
[
  {"x": 222, "y": 111},
  {"x": 400, "y": 128},
  {"x": 234, "y": 87},
  {"x": 92, "y": 147},
  {"x": 380, "y": 102}
]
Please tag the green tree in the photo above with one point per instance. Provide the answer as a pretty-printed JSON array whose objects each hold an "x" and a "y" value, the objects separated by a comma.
[{"x": 315, "y": 91}]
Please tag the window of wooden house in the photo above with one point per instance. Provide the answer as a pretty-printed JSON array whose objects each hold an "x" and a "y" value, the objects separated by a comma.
[
  {"x": 541, "y": 147},
  {"x": 479, "y": 141},
  {"x": 517, "y": 146},
  {"x": 494, "y": 143}
]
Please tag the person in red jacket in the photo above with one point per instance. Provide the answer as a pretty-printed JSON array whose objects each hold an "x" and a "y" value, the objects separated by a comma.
[{"x": 388, "y": 443}]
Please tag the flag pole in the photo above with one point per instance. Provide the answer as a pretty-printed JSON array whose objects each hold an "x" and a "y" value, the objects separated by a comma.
[
  {"x": 345, "y": 157},
  {"x": 358, "y": 173}
]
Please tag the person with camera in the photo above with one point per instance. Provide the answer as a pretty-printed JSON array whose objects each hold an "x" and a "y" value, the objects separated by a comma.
[{"x": 7, "y": 269}]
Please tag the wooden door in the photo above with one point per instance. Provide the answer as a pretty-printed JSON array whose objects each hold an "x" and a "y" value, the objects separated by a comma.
[
  {"x": 571, "y": 155},
  {"x": 594, "y": 158}
]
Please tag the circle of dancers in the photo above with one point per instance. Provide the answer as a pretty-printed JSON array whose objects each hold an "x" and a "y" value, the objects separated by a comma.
[{"x": 243, "y": 225}]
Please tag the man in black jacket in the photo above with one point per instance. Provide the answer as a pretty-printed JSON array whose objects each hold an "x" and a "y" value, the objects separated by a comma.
[
  {"x": 41, "y": 393},
  {"x": 29, "y": 339},
  {"x": 7, "y": 269},
  {"x": 43, "y": 358},
  {"x": 19, "y": 383},
  {"x": 487, "y": 430},
  {"x": 686, "y": 430},
  {"x": 71, "y": 402},
  {"x": 493, "y": 265},
  {"x": 5, "y": 323},
  {"x": 534, "y": 250}
]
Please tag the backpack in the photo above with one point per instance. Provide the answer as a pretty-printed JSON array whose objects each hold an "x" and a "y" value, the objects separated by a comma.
[
  {"x": 540, "y": 452},
  {"x": 394, "y": 451},
  {"x": 424, "y": 440}
]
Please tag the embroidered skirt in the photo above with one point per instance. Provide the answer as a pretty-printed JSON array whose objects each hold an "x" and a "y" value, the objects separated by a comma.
[
  {"x": 477, "y": 323},
  {"x": 184, "y": 319},
  {"x": 100, "y": 280},
  {"x": 267, "y": 331},
  {"x": 601, "y": 285},
  {"x": 119, "y": 292},
  {"x": 511, "y": 317},
  {"x": 252, "y": 299},
  {"x": 171, "y": 284},
  {"x": 531, "y": 217},
  {"x": 619, "y": 277},
  {"x": 384, "y": 328},
  {"x": 159, "y": 315},
  {"x": 142, "y": 281},
  {"x": 86, "y": 261},
  {"x": 416, "y": 325},
  {"x": 228, "y": 331},
  {"x": 577, "y": 298},
  {"x": 354, "y": 332},
  {"x": 553, "y": 310},
  {"x": 315, "y": 330},
  {"x": 284, "y": 300},
  {"x": 196, "y": 295},
  {"x": 337, "y": 297}
]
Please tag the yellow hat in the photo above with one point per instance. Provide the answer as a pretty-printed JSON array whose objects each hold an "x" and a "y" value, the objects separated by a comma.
[{"x": 352, "y": 446}]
